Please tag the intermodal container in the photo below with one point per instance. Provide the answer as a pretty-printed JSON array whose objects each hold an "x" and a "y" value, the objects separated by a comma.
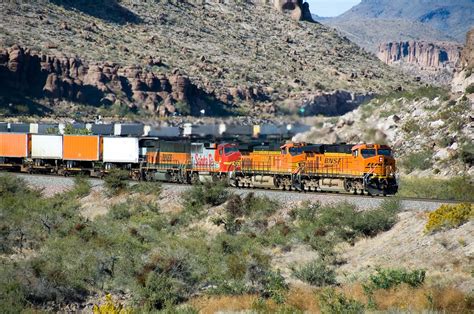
[
  {"x": 120, "y": 149},
  {"x": 81, "y": 147},
  {"x": 47, "y": 146},
  {"x": 13, "y": 145}
]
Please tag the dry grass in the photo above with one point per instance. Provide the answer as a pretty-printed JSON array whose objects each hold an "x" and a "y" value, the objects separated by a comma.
[
  {"x": 305, "y": 299},
  {"x": 209, "y": 305}
]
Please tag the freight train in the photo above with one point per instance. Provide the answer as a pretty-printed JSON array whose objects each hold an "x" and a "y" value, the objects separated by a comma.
[{"x": 358, "y": 169}]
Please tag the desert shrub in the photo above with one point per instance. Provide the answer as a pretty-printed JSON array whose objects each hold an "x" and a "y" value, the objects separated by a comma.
[
  {"x": 110, "y": 307},
  {"x": 386, "y": 278},
  {"x": 467, "y": 153},
  {"x": 449, "y": 216},
  {"x": 322, "y": 227},
  {"x": 69, "y": 129},
  {"x": 274, "y": 286},
  {"x": 305, "y": 212},
  {"x": 12, "y": 292},
  {"x": 147, "y": 188},
  {"x": 316, "y": 273},
  {"x": 201, "y": 194},
  {"x": 116, "y": 181},
  {"x": 457, "y": 188},
  {"x": 470, "y": 89},
  {"x": 82, "y": 187},
  {"x": 332, "y": 301},
  {"x": 120, "y": 211},
  {"x": 372, "y": 222},
  {"x": 417, "y": 160},
  {"x": 259, "y": 205}
]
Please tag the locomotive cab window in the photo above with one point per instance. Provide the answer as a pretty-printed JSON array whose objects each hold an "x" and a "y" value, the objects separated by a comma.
[
  {"x": 230, "y": 150},
  {"x": 294, "y": 151},
  {"x": 355, "y": 153},
  {"x": 385, "y": 152},
  {"x": 367, "y": 153}
]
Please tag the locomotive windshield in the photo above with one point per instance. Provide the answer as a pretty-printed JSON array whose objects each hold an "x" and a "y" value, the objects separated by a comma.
[
  {"x": 385, "y": 152},
  {"x": 230, "y": 150},
  {"x": 296, "y": 151},
  {"x": 367, "y": 153}
]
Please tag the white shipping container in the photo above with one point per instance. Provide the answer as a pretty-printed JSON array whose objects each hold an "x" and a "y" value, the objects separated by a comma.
[
  {"x": 120, "y": 149},
  {"x": 47, "y": 146}
]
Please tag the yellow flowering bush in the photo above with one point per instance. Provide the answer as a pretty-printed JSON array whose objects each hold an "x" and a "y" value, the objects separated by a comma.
[
  {"x": 449, "y": 216},
  {"x": 110, "y": 307}
]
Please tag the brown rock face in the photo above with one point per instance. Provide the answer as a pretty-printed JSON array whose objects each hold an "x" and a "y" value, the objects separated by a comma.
[
  {"x": 428, "y": 55},
  {"x": 24, "y": 72},
  {"x": 467, "y": 58}
]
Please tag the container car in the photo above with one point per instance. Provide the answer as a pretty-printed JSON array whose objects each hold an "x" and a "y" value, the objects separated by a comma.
[
  {"x": 46, "y": 146},
  {"x": 82, "y": 147},
  {"x": 120, "y": 150},
  {"x": 14, "y": 145}
]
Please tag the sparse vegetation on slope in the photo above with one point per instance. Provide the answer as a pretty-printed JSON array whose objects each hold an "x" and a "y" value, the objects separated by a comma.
[{"x": 150, "y": 260}]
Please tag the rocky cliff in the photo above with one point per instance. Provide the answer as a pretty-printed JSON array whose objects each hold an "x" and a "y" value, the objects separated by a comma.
[
  {"x": 378, "y": 21},
  {"x": 467, "y": 58},
  {"x": 465, "y": 78},
  {"x": 23, "y": 71},
  {"x": 249, "y": 57},
  {"x": 423, "y": 54}
]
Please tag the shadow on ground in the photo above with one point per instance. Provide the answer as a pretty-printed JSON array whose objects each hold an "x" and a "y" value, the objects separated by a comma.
[{"x": 107, "y": 10}]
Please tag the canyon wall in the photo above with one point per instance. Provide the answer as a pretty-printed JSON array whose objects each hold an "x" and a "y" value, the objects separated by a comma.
[
  {"x": 423, "y": 54},
  {"x": 26, "y": 72}
]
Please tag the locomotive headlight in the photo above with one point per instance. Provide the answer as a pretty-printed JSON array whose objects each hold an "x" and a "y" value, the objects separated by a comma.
[{"x": 381, "y": 159}]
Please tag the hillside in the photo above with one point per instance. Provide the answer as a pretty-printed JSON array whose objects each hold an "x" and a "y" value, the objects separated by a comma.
[
  {"x": 402, "y": 20},
  {"x": 240, "y": 58},
  {"x": 208, "y": 249}
]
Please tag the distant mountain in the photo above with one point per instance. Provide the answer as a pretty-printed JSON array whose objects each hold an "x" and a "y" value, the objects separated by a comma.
[{"x": 375, "y": 21}]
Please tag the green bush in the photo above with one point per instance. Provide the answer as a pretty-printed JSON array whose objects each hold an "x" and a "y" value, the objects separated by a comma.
[
  {"x": 417, "y": 160},
  {"x": 82, "y": 186},
  {"x": 467, "y": 153},
  {"x": 333, "y": 302},
  {"x": 147, "y": 188},
  {"x": 458, "y": 188},
  {"x": 116, "y": 181},
  {"x": 470, "y": 89},
  {"x": 390, "y": 278},
  {"x": 316, "y": 273},
  {"x": 202, "y": 194}
]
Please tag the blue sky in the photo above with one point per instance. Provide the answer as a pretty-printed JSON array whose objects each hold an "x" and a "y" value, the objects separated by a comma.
[{"x": 331, "y": 7}]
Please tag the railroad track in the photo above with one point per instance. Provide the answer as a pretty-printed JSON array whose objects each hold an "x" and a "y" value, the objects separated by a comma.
[{"x": 278, "y": 194}]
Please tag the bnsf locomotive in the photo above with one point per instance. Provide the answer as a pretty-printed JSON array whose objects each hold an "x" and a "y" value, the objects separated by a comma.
[{"x": 356, "y": 169}]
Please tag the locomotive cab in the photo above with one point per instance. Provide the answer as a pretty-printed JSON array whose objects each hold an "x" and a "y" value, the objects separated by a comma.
[
  {"x": 227, "y": 155},
  {"x": 377, "y": 164}
]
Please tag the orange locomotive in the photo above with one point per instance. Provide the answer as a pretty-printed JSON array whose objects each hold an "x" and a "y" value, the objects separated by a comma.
[{"x": 365, "y": 168}]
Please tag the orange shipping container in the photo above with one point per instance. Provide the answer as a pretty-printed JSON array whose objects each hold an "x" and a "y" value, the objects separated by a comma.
[
  {"x": 13, "y": 145},
  {"x": 81, "y": 147}
]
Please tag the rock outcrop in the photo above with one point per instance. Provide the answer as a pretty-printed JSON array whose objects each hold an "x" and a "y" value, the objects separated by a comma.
[
  {"x": 424, "y": 54},
  {"x": 23, "y": 71},
  {"x": 334, "y": 104},
  {"x": 465, "y": 78},
  {"x": 467, "y": 56}
]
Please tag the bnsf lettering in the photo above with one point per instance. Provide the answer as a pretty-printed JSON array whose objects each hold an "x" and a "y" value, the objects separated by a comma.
[
  {"x": 333, "y": 161},
  {"x": 166, "y": 158}
]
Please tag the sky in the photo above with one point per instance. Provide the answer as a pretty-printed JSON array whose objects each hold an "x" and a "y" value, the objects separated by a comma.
[{"x": 331, "y": 7}]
